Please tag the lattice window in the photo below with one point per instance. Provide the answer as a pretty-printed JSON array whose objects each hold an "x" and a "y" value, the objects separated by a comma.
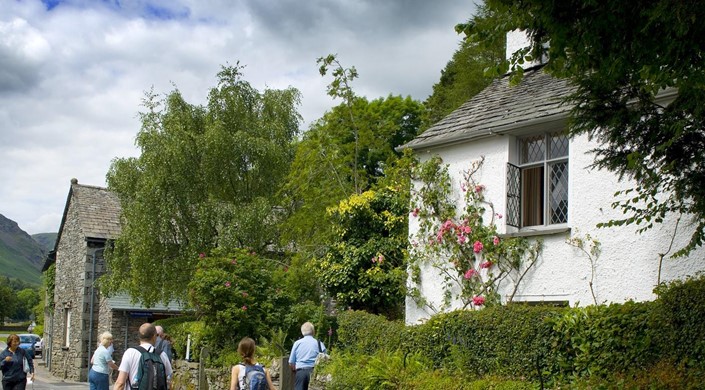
[
  {"x": 513, "y": 195},
  {"x": 537, "y": 189}
]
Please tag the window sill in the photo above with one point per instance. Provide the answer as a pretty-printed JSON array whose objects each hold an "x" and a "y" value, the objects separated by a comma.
[{"x": 538, "y": 231}]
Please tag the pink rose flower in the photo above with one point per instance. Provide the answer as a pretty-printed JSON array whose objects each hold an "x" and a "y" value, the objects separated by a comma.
[
  {"x": 477, "y": 247},
  {"x": 461, "y": 239},
  {"x": 479, "y": 188},
  {"x": 495, "y": 240},
  {"x": 478, "y": 300},
  {"x": 415, "y": 212},
  {"x": 227, "y": 284},
  {"x": 201, "y": 255},
  {"x": 486, "y": 264},
  {"x": 470, "y": 273},
  {"x": 244, "y": 307}
]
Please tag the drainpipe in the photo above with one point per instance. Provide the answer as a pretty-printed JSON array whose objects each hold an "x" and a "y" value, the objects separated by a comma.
[{"x": 90, "y": 322}]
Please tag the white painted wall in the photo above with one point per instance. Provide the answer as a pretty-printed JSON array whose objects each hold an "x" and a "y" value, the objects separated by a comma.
[{"x": 628, "y": 265}]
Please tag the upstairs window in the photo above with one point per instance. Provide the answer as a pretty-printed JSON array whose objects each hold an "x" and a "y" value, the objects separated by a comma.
[{"x": 537, "y": 188}]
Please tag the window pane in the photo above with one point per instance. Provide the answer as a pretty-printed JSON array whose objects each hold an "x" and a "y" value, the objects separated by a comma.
[
  {"x": 558, "y": 146},
  {"x": 558, "y": 197},
  {"x": 533, "y": 149},
  {"x": 532, "y": 196}
]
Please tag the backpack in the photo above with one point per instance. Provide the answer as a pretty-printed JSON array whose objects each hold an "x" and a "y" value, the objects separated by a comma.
[
  {"x": 151, "y": 374},
  {"x": 255, "y": 378}
]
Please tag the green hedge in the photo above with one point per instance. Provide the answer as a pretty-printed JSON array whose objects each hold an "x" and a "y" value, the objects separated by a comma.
[
  {"x": 679, "y": 321},
  {"x": 364, "y": 333},
  {"x": 626, "y": 342},
  {"x": 602, "y": 340}
]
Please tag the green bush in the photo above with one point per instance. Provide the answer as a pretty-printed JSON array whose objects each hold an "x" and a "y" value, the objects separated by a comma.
[
  {"x": 238, "y": 296},
  {"x": 679, "y": 321},
  {"x": 364, "y": 333},
  {"x": 510, "y": 341},
  {"x": 179, "y": 328},
  {"x": 601, "y": 340}
]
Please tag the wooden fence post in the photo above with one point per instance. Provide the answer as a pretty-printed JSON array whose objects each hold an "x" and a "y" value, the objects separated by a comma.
[{"x": 286, "y": 376}]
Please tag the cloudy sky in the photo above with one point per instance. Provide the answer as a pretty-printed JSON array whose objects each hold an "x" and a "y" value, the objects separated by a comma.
[{"x": 73, "y": 72}]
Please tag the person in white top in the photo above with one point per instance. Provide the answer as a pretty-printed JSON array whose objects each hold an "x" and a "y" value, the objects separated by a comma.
[
  {"x": 132, "y": 359},
  {"x": 102, "y": 362}
]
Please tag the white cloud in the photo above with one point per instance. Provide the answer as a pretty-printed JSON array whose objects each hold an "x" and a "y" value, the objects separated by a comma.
[{"x": 72, "y": 77}]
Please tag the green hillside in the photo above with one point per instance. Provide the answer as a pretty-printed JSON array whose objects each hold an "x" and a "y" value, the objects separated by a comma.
[
  {"x": 21, "y": 257},
  {"x": 46, "y": 240}
]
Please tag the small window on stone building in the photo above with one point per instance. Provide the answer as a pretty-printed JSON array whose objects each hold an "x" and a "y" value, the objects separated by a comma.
[{"x": 67, "y": 326}]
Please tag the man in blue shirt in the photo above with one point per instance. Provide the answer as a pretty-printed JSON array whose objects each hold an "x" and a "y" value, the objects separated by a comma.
[{"x": 303, "y": 356}]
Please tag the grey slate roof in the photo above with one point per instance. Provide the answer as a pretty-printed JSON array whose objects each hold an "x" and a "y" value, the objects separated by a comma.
[
  {"x": 500, "y": 108},
  {"x": 122, "y": 302},
  {"x": 99, "y": 211}
]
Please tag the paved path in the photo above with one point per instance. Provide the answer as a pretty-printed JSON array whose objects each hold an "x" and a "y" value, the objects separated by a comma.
[{"x": 45, "y": 381}]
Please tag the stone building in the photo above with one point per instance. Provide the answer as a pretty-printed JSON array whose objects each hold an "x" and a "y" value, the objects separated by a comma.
[{"x": 76, "y": 312}]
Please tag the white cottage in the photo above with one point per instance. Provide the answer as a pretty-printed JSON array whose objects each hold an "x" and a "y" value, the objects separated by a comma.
[{"x": 540, "y": 181}]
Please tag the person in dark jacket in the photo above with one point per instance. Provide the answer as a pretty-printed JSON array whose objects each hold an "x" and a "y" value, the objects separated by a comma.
[{"x": 12, "y": 365}]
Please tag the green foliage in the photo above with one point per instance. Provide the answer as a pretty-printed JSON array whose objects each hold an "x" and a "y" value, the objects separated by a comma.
[
  {"x": 206, "y": 177},
  {"x": 7, "y": 301},
  {"x": 620, "y": 57},
  {"x": 365, "y": 267},
  {"x": 321, "y": 174},
  {"x": 179, "y": 328},
  {"x": 362, "y": 333},
  {"x": 680, "y": 319},
  {"x": 508, "y": 340},
  {"x": 49, "y": 283},
  {"x": 601, "y": 340},
  {"x": 405, "y": 371},
  {"x": 237, "y": 295},
  {"x": 462, "y": 241},
  {"x": 26, "y": 300}
]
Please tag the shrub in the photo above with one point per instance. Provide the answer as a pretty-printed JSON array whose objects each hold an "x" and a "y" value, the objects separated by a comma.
[
  {"x": 364, "y": 333},
  {"x": 679, "y": 321},
  {"x": 179, "y": 328},
  {"x": 508, "y": 341},
  {"x": 601, "y": 340},
  {"x": 237, "y": 295}
]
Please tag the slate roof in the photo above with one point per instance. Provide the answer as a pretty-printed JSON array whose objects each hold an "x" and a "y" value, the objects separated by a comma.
[
  {"x": 122, "y": 302},
  {"x": 99, "y": 211},
  {"x": 500, "y": 108}
]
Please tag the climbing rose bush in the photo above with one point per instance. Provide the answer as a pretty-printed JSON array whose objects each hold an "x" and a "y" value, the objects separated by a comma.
[{"x": 461, "y": 241}]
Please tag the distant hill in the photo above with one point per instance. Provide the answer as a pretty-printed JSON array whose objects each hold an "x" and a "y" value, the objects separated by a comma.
[
  {"x": 21, "y": 256},
  {"x": 46, "y": 240}
]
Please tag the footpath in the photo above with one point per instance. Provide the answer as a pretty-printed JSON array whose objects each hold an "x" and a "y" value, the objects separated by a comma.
[{"x": 43, "y": 380}]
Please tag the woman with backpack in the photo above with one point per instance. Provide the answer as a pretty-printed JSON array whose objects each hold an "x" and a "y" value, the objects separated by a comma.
[{"x": 249, "y": 375}]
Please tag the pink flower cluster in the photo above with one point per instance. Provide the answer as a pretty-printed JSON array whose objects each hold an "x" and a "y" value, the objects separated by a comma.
[
  {"x": 378, "y": 259},
  {"x": 470, "y": 273},
  {"x": 479, "y": 188},
  {"x": 478, "y": 300},
  {"x": 461, "y": 231},
  {"x": 495, "y": 240},
  {"x": 477, "y": 247},
  {"x": 486, "y": 264},
  {"x": 415, "y": 212}
]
